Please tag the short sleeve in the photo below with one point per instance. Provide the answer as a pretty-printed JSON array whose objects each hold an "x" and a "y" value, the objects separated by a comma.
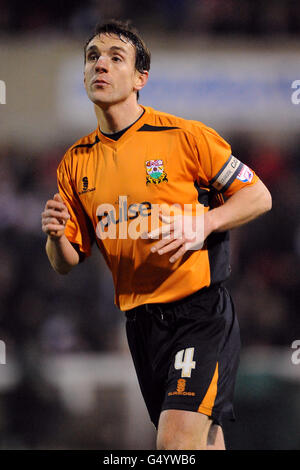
[
  {"x": 218, "y": 168},
  {"x": 78, "y": 229}
]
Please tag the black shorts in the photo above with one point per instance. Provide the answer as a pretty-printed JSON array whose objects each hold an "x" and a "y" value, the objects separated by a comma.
[{"x": 186, "y": 353}]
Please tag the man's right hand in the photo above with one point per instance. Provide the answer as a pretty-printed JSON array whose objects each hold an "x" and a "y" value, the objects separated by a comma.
[{"x": 55, "y": 217}]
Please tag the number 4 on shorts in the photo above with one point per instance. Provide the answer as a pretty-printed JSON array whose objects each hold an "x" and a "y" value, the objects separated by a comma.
[{"x": 185, "y": 363}]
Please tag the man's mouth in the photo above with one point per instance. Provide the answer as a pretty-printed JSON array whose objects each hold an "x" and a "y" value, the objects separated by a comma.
[{"x": 100, "y": 82}]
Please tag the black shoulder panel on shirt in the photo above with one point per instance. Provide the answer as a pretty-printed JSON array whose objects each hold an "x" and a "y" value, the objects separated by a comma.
[
  {"x": 87, "y": 145},
  {"x": 203, "y": 195},
  {"x": 149, "y": 128}
]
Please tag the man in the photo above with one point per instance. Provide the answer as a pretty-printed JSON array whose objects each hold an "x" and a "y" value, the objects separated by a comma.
[{"x": 181, "y": 326}]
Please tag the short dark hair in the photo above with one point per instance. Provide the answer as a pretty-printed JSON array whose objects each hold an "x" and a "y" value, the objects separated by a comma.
[{"x": 124, "y": 30}]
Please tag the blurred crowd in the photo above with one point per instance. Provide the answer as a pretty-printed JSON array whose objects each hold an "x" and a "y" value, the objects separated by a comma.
[
  {"x": 51, "y": 312},
  {"x": 266, "y": 276},
  {"x": 54, "y": 313},
  {"x": 249, "y": 17}
]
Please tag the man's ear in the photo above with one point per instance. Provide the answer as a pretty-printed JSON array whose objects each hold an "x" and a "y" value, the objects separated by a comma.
[{"x": 140, "y": 80}]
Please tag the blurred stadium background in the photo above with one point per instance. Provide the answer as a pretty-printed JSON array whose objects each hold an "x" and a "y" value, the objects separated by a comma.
[{"x": 68, "y": 381}]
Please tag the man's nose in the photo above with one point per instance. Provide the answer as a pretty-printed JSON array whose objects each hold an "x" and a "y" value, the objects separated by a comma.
[{"x": 101, "y": 64}]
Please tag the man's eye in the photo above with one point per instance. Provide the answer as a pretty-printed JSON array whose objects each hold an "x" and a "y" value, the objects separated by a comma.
[
  {"x": 92, "y": 56},
  {"x": 116, "y": 59}
]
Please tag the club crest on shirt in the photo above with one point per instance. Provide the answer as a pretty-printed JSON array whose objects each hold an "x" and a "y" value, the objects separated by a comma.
[{"x": 155, "y": 172}]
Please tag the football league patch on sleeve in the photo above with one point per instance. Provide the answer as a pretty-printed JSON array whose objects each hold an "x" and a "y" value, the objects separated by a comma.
[{"x": 245, "y": 175}]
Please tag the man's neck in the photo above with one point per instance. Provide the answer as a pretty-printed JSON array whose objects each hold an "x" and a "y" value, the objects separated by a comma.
[{"x": 116, "y": 117}]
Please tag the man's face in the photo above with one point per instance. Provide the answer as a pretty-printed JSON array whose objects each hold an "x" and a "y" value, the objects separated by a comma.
[{"x": 109, "y": 74}]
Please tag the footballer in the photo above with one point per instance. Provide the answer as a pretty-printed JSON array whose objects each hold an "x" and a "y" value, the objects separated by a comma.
[{"x": 181, "y": 326}]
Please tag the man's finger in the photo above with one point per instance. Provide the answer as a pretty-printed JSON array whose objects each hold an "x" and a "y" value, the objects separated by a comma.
[
  {"x": 170, "y": 246},
  {"x": 57, "y": 197},
  {"x": 178, "y": 254},
  {"x": 161, "y": 244},
  {"x": 51, "y": 204},
  {"x": 53, "y": 227},
  {"x": 166, "y": 219},
  {"x": 163, "y": 230},
  {"x": 55, "y": 213},
  {"x": 54, "y": 220}
]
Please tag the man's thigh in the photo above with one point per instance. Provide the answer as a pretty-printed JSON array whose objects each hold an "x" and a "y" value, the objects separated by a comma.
[
  {"x": 182, "y": 430},
  {"x": 186, "y": 430}
]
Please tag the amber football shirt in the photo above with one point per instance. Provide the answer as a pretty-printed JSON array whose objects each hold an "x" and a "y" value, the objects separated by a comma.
[{"x": 112, "y": 187}]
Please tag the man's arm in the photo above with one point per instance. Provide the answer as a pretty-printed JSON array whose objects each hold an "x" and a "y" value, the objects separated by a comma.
[
  {"x": 62, "y": 255},
  {"x": 242, "y": 207}
]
